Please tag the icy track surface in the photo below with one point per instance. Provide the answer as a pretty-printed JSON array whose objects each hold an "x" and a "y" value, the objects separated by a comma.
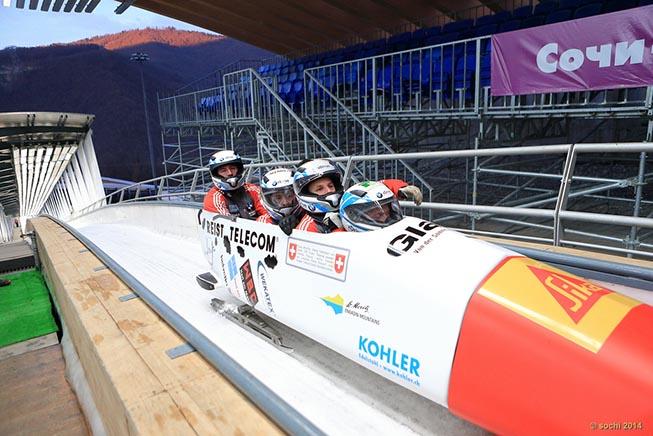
[{"x": 336, "y": 394}]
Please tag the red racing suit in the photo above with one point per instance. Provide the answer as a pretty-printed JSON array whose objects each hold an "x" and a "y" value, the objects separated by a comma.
[
  {"x": 310, "y": 224},
  {"x": 244, "y": 202},
  {"x": 267, "y": 219}
]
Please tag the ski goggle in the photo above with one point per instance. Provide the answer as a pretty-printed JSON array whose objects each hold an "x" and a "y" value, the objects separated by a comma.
[
  {"x": 374, "y": 213},
  {"x": 281, "y": 198}
]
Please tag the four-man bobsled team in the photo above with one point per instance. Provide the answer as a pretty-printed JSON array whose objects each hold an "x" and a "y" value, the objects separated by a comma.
[{"x": 310, "y": 198}]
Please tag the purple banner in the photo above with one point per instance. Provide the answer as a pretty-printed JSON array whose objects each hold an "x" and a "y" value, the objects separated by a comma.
[{"x": 606, "y": 51}]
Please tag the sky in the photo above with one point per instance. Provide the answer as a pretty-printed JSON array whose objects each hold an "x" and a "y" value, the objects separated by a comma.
[{"x": 29, "y": 28}]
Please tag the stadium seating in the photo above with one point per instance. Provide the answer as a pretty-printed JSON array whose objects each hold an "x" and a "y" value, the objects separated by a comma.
[{"x": 445, "y": 64}]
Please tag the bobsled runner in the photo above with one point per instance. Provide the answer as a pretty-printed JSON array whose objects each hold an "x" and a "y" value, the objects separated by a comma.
[{"x": 511, "y": 344}]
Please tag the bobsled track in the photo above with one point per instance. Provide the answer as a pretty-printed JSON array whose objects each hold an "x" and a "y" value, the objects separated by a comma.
[{"x": 154, "y": 249}]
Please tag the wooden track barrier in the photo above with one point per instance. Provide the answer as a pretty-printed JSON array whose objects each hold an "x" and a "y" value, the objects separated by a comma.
[{"x": 122, "y": 347}]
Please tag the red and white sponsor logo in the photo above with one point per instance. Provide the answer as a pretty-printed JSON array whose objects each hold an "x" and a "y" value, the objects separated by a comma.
[
  {"x": 575, "y": 296},
  {"x": 292, "y": 251},
  {"x": 339, "y": 263}
]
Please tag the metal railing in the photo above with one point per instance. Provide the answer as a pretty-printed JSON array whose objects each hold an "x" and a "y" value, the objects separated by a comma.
[
  {"x": 282, "y": 134},
  {"x": 556, "y": 225},
  {"x": 214, "y": 78},
  {"x": 349, "y": 135}
]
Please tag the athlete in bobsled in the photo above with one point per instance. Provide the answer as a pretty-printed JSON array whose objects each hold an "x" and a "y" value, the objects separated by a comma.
[
  {"x": 318, "y": 186},
  {"x": 278, "y": 196},
  {"x": 230, "y": 195},
  {"x": 369, "y": 206}
]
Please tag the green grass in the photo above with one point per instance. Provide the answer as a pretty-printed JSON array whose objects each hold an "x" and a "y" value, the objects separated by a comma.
[{"x": 25, "y": 310}]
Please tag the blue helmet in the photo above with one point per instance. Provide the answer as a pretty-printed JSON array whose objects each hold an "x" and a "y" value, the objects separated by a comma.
[
  {"x": 307, "y": 173},
  {"x": 369, "y": 206},
  {"x": 220, "y": 159},
  {"x": 277, "y": 193}
]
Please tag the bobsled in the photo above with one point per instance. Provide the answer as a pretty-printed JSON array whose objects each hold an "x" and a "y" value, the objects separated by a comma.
[{"x": 509, "y": 343}]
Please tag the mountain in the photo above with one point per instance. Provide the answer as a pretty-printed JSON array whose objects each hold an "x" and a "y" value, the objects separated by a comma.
[{"x": 96, "y": 76}]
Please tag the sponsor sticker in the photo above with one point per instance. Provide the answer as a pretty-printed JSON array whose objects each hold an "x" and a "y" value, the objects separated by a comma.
[
  {"x": 248, "y": 283},
  {"x": 213, "y": 228},
  {"x": 264, "y": 283},
  {"x": 414, "y": 239},
  {"x": 321, "y": 259},
  {"x": 252, "y": 238},
  {"x": 578, "y": 310},
  {"x": 232, "y": 268},
  {"x": 351, "y": 308},
  {"x": 389, "y": 359},
  {"x": 246, "y": 237}
]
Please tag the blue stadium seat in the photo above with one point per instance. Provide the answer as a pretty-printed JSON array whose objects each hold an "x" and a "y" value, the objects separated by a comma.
[
  {"x": 434, "y": 40},
  {"x": 485, "y": 20},
  {"x": 489, "y": 29},
  {"x": 433, "y": 31},
  {"x": 485, "y": 69},
  {"x": 497, "y": 18},
  {"x": 535, "y": 20},
  {"x": 420, "y": 33},
  {"x": 544, "y": 8},
  {"x": 618, "y": 5},
  {"x": 434, "y": 71},
  {"x": 570, "y": 4},
  {"x": 588, "y": 10},
  {"x": 297, "y": 91},
  {"x": 509, "y": 26},
  {"x": 351, "y": 74},
  {"x": 465, "y": 66},
  {"x": 559, "y": 16},
  {"x": 400, "y": 38},
  {"x": 298, "y": 85},
  {"x": 523, "y": 12},
  {"x": 383, "y": 78},
  {"x": 450, "y": 37},
  {"x": 457, "y": 26}
]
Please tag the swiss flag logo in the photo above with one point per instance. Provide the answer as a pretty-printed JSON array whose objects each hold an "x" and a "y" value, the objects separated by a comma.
[
  {"x": 575, "y": 295},
  {"x": 339, "y": 263},
  {"x": 292, "y": 251}
]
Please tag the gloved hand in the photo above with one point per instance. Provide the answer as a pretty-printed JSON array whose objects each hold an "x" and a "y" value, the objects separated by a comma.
[
  {"x": 288, "y": 223},
  {"x": 411, "y": 192},
  {"x": 332, "y": 219}
]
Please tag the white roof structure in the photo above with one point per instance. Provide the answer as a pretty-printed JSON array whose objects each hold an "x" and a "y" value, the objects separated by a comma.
[
  {"x": 56, "y": 5},
  {"x": 41, "y": 150}
]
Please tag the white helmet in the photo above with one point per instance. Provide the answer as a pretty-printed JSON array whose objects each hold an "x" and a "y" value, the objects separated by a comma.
[
  {"x": 220, "y": 159},
  {"x": 369, "y": 206},
  {"x": 310, "y": 171},
  {"x": 277, "y": 189}
]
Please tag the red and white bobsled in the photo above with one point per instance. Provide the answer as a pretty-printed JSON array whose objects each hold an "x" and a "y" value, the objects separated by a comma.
[{"x": 509, "y": 343}]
